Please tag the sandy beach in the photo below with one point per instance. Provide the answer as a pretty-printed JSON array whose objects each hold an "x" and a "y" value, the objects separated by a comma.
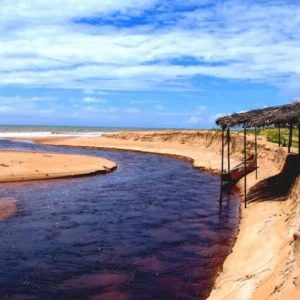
[
  {"x": 23, "y": 166},
  {"x": 264, "y": 262}
]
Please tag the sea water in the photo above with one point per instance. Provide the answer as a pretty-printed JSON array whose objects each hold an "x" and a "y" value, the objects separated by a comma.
[{"x": 45, "y": 131}]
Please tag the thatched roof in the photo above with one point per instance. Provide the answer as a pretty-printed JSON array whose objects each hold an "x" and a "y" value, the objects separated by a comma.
[{"x": 276, "y": 115}]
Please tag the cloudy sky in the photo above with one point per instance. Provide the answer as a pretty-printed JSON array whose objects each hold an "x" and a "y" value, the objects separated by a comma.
[{"x": 145, "y": 63}]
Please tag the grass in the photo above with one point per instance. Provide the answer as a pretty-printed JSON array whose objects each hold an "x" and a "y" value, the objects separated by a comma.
[{"x": 272, "y": 135}]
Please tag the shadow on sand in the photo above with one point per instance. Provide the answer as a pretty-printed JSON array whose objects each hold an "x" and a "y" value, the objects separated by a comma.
[{"x": 278, "y": 187}]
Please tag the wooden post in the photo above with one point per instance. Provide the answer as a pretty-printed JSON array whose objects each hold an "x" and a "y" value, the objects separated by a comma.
[
  {"x": 222, "y": 167},
  {"x": 290, "y": 138},
  {"x": 245, "y": 164},
  {"x": 256, "y": 150},
  {"x": 279, "y": 136},
  {"x": 299, "y": 138},
  {"x": 228, "y": 148}
]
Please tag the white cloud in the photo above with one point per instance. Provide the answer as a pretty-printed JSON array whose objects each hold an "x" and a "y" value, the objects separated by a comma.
[
  {"x": 136, "y": 102},
  {"x": 160, "y": 107},
  {"x": 27, "y": 107},
  {"x": 28, "y": 100},
  {"x": 47, "y": 106},
  {"x": 217, "y": 116},
  {"x": 93, "y": 100},
  {"x": 43, "y": 11},
  {"x": 133, "y": 110},
  {"x": 40, "y": 45},
  {"x": 198, "y": 112},
  {"x": 93, "y": 109},
  {"x": 90, "y": 108},
  {"x": 194, "y": 120},
  {"x": 176, "y": 113},
  {"x": 5, "y": 109},
  {"x": 201, "y": 108},
  {"x": 46, "y": 111}
]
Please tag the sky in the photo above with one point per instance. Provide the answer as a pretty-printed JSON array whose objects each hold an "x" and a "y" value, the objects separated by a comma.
[{"x": 145, "y": 63}]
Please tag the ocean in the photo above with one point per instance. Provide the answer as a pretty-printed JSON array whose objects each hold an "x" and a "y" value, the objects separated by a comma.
[{"x": 44, "y": 131}]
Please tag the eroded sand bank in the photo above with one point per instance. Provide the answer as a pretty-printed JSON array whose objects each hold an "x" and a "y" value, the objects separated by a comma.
[
  {"x": 23, "y": 166},
  {"x": 265, "y": 260}
]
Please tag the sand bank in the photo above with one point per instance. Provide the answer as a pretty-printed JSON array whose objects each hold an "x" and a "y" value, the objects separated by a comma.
[
  {"x": 265, "y": 260},
  {"x": 8, "y": 207},
  {"x": 23, "y": 166},
  {"x": 202, "y": 158}
]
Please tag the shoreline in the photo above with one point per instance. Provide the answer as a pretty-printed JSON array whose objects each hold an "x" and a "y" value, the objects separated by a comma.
[
  {"x": 250, "y": 271},
  {"x": 194, "y": 247},
  {"x": 190, "y": 160},
  {"x": 26, "y": 166},
  {"x": 177, "y": 156}
]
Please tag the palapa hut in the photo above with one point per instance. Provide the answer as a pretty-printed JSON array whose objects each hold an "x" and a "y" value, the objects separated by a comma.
[
  {"x": 284, "y": 115},
  {"x": 279, "y": 116}
]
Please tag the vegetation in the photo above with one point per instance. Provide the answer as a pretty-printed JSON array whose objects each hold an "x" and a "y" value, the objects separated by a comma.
[{"x": 272, "y": 135}]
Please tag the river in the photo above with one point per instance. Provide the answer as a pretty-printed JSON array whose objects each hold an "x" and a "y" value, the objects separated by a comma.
[{"x": 152, "y": 229}]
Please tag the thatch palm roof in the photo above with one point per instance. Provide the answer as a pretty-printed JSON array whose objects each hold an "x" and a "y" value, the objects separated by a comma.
[{"x": 276, "y": 115}]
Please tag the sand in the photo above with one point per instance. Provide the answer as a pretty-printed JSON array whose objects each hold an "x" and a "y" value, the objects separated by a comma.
[
  {"x": 23, "y": 166},
  {"x": 202, "y": 158},
  {"x": 8, "y": 207},
  {"x": 265, "y": 260}
]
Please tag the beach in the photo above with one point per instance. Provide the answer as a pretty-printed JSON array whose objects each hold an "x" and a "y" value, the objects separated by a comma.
[
  {"x": 19, "y": 166},
  {"x": 262, "y": 264},
  {"x": 24, "y": 166},
  {"x": 264, "y": 261},
  {"x": 150, "y": 150}
]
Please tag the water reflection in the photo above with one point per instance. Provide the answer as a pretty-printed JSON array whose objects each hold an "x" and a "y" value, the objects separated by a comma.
[{"x": 150, "y": 230}]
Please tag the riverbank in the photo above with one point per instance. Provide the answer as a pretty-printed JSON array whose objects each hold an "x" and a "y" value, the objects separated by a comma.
[
  {"x": 263, "y": 264},
  {"x": 24, "y": 166}
]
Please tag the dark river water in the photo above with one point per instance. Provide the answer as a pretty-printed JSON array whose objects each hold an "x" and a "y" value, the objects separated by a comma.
[{"x": 153, "y": 229}]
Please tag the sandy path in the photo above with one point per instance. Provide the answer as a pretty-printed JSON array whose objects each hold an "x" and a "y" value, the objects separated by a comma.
[{"x": 22, "y": 166}]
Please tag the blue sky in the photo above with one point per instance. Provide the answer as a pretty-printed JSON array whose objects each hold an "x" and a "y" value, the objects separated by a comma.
[{"x": 145, "y": 63}]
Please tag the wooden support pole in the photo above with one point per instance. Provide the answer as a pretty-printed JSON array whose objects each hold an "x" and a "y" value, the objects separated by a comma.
[
  {"x": 299, "y": 138},
  {"x": 222, "y": 167},
  {"x": 279, "y": 136},
  {"x": 228, "y": 149},
  {"x": 245, "y": 164},
  {"x": 255, "y": 130},
  {"x": 290, "y": 138}
]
